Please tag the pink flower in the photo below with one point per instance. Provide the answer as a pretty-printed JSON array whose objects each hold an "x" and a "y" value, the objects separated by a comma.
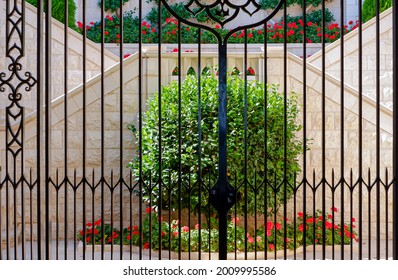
[
  {"x": 250, "y": 239},
  {"x": 185, "y": 229},
  {"x": 197, "y": 226},
  {"x": 270, "y": 225},
  {"x": 278, "y": 226},
  {"x": 235, "y": 220},
  {"x": 258, "y": 238}
]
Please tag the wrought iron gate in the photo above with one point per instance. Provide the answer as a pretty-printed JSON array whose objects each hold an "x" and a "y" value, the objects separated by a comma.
[{"x": 104, "y": 156}]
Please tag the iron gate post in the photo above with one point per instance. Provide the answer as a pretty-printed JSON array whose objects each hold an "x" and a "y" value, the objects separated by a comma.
[{"x": 222, "y": 196}]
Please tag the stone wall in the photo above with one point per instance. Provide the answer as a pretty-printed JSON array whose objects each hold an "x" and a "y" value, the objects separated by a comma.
[{"x": 368, "y": 59}]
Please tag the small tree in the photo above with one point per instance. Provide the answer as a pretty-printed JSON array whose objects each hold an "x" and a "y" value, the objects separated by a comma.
[{"x": 177, "y": 185}]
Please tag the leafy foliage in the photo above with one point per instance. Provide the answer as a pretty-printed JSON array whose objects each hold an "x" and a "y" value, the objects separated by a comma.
[
  {"x": 58, "y": 10},
  {"x": 168, "y": 172},
  {"x": 369, "y": 8},
  {"x": 111, "y": 5}
]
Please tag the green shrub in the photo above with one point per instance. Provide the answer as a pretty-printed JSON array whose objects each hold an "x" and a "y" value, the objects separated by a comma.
[
  {"x": 170, "y": 153},
  {"x": 369, "y": 8},
  {"x": 111, "y": 5},
  {"x": 58, "y": 10}
]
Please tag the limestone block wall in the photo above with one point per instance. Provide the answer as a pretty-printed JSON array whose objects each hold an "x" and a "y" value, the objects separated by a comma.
[{"x": 368, "y": 59}]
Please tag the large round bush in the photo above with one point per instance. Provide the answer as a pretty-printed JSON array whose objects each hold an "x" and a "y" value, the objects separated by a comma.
[{"x": 265, "y": 168}]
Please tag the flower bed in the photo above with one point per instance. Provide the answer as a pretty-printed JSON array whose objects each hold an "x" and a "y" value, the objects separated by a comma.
[{"x": 157, "y": 234}]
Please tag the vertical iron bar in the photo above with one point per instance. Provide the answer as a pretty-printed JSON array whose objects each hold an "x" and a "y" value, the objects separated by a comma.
[
  {"x": 66, "y": 179},
  {"x": 47, "y": 124},
  {"x": 245, "y": 139},
  {"x": 369, "y": 216},
  {"x": 342, "y": 166},
  {"x": 140, "y": 90},
  {"x": 121, "y": 120},
  {"x": 200, "y": 141},
  {"x": 57, "y": 216},
  {"x": 304, "y": 125},
  {"x": 102, "y": 178},
  {"x": 285, "y": 180},
  {"x": 378, "y": 214},
  {"x": 179, "y": 137},
  {"x": 395, "y": 130},
  {"x": 84, "y": 175},
  {"x": 159, "y": 182},
  {"x": 324, "y": 127},
  {"x": 39, "y": 110},
  {"x": 360, "y": 128},
  {"x": 265, "y": 141},
  {"x": 23, "y": 162}
]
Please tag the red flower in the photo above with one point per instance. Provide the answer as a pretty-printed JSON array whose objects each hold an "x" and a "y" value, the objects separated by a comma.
[
  {"x": 92, "y": 23},
  {"x": 290, "y": 33},
  {"x": 300, "y": 214},
  {"x": 218, "y": 26},
  {"x": 106, "y": 33},
  {"x": 98, "y": 222},
  {"x": 81, "y": 232},
  {"x": 234, "y": 35},
  {"x": 129, "y": 237},
  {"x": 146, "y": 245},
  {"x": 126, "y": 55},
  {"x": 334, "y": 209},
  {"x": 235, "y": 220},
  {"x": 175, "y": 50},
  {"x": 250, "y": 35},
  {"x": 174, "y": 32},
  {"x": 88, "y": 239},
  {"x": 79, "y": 24},
  {"x": 268, "y": 233},
  {"x": 187, "y": 29},
  {"x": 330, "y": 216},
  {"x": 175, "y": 233},
  {"x": 163, "y": 233},
  {"x": 96, "y": 231},
  {"x": 270, "y": 225},
  {"x": 353, "y": 220},
  {"x": 153, "y": 30},
  {"x": 144, "y": 32},
  {"x": 148, "y": 210},
  {"x": 328, "y": 225},
  {"x": 350, "y": 22},
  {"x": 118, "y": 36},
  {"x": 271, "y": 247},
  {"x": 309, "y": 23},
  {"x": 89, "y": 224},
  {"x": 310, "y": 220},
  {"x": 278, "y": 226},
  {"x": 144, "y": 23},
  {"x": 259, "y": 32}
]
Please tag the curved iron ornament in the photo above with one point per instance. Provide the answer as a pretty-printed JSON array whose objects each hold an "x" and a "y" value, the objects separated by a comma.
[
  {"x": 16, "y": 82},
  {"x": 223, "y": 12}
]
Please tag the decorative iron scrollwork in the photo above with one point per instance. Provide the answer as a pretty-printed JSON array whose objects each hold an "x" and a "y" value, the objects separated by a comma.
[
  {"x": 222, "y": 12},
  {"x": 15, "y": 80}
]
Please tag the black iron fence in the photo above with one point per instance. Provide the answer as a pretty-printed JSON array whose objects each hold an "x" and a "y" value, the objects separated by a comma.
[{"x": 206, "y": 136}]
